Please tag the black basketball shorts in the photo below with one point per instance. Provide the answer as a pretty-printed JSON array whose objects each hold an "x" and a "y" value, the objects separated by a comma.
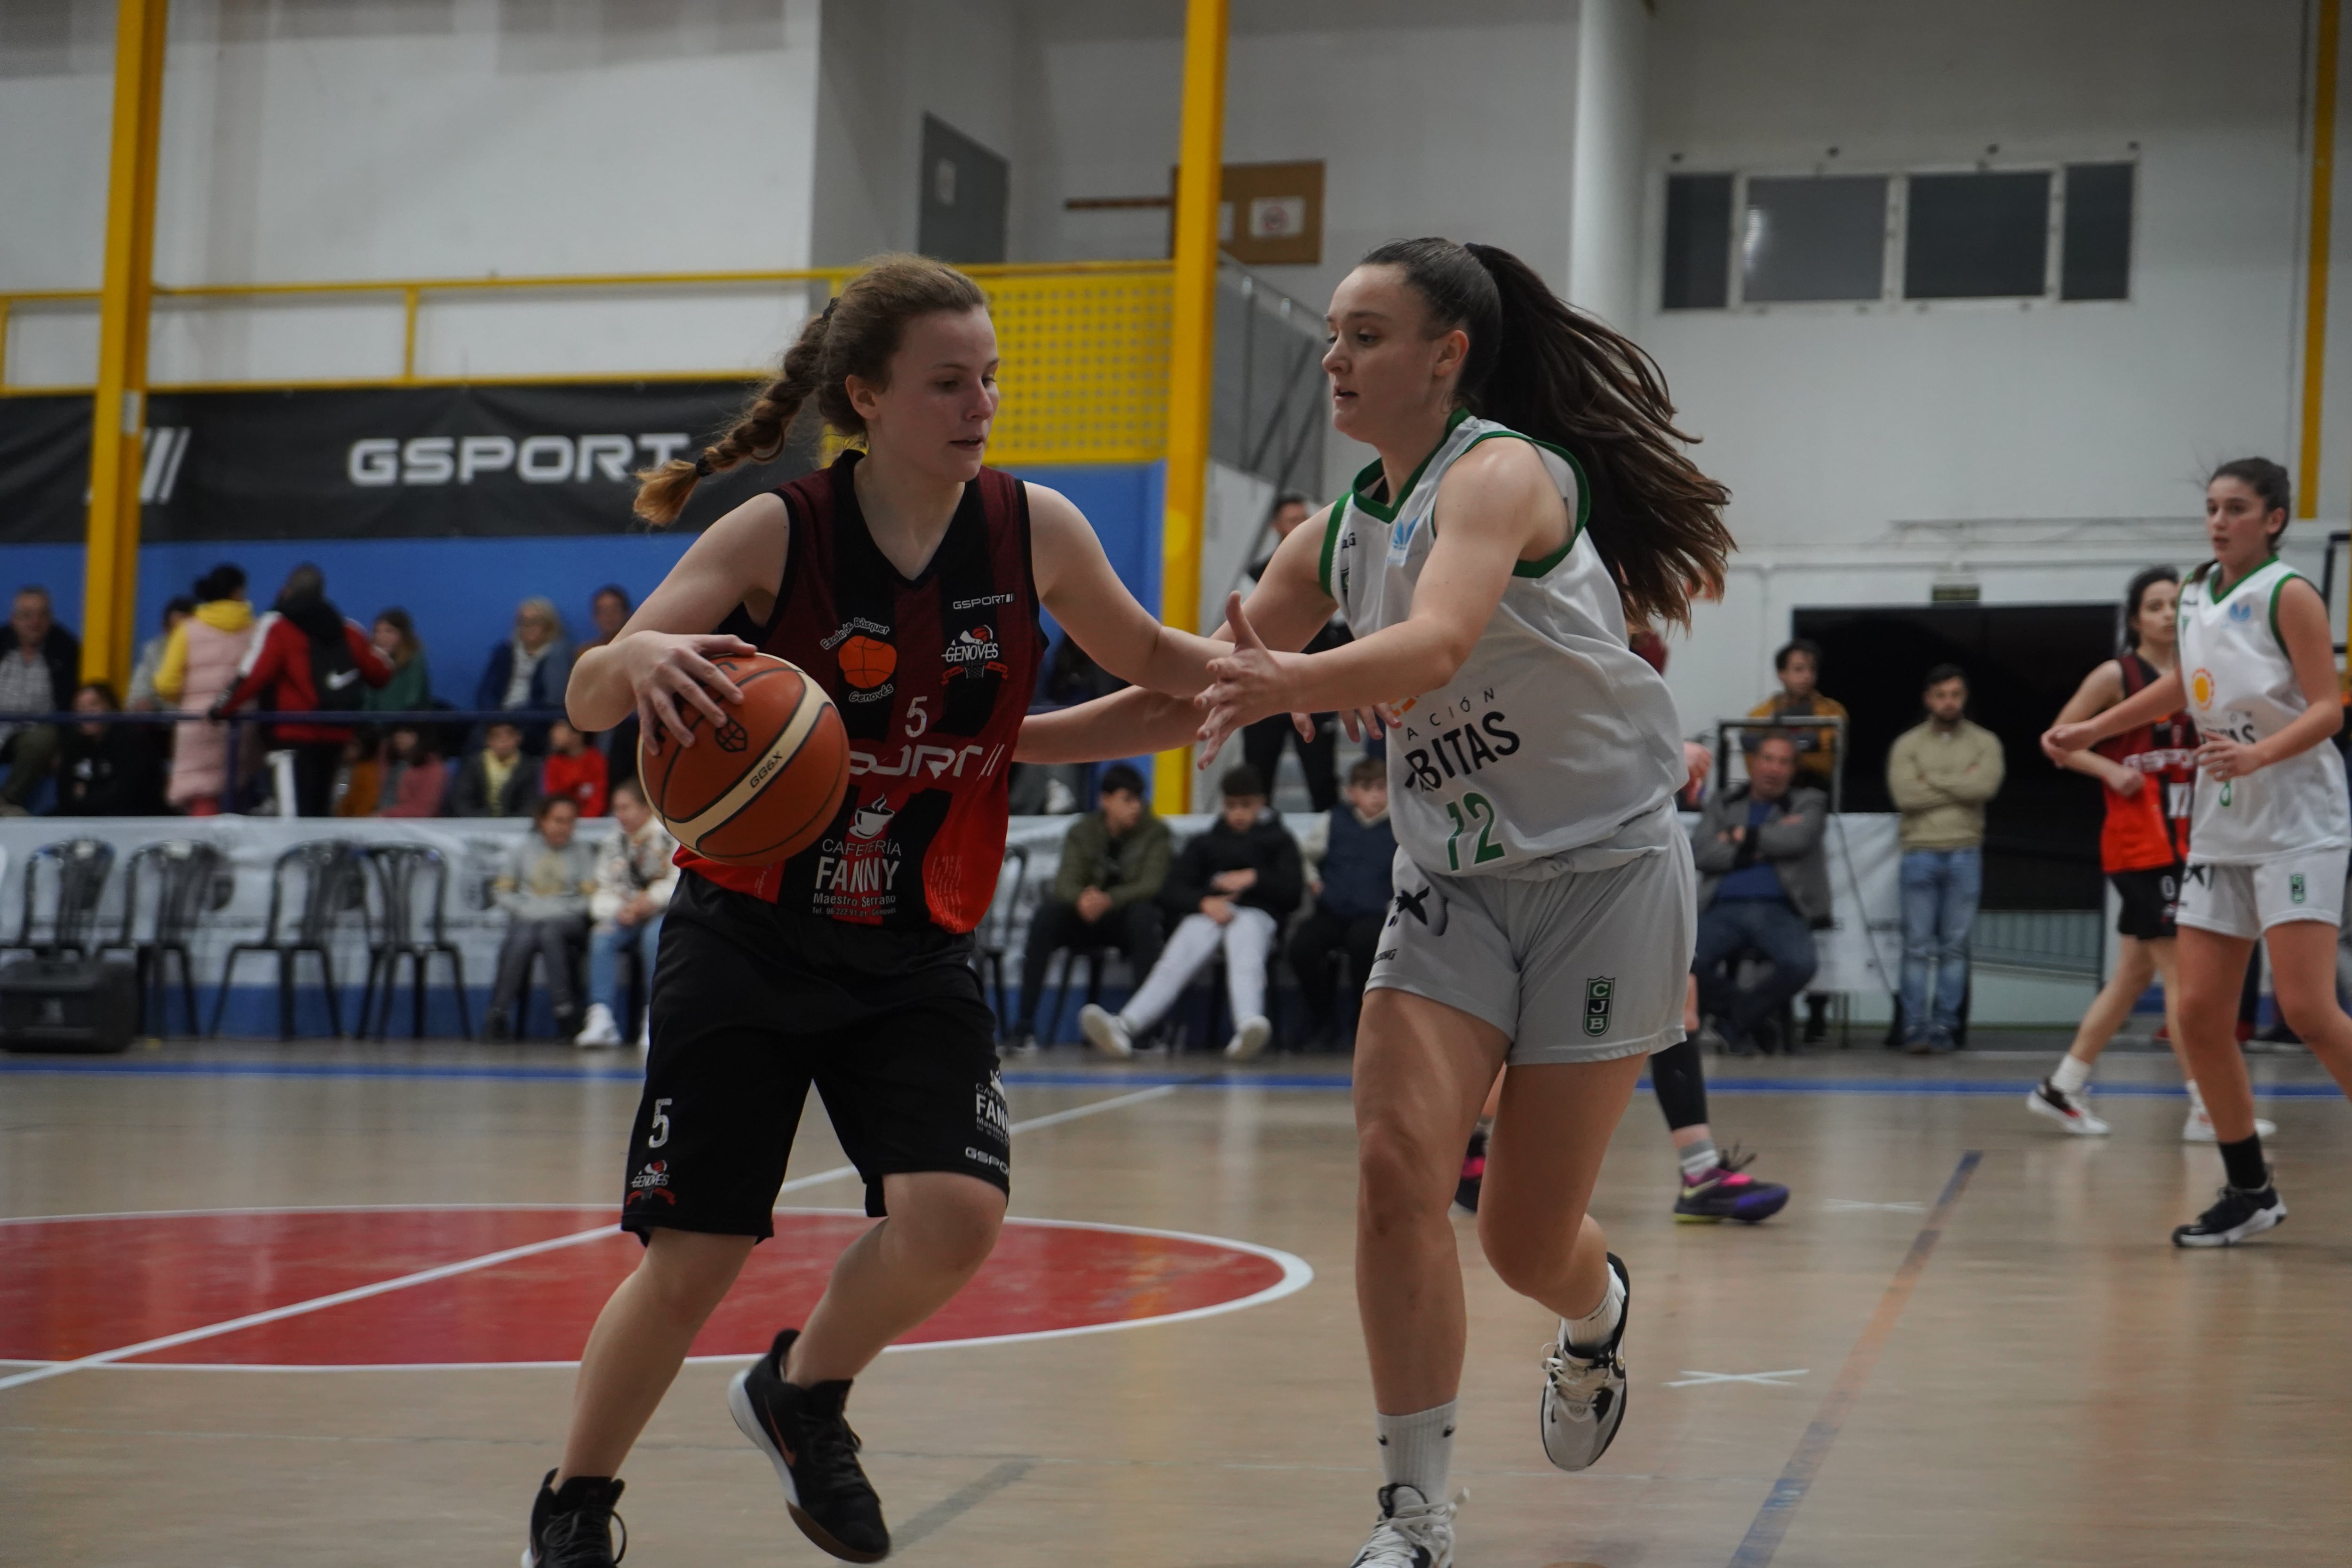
[
  {"x": 2150, "y": 900},
  {"x": 751, "y": 1005}
]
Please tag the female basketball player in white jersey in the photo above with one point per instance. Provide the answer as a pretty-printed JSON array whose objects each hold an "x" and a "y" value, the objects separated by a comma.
[
  {"x": 768, "y": 980},
  {"x": 2270, "y": 828},
  {"x": 1530, "y": 492},
  {"x": 2150, "y": 775}
]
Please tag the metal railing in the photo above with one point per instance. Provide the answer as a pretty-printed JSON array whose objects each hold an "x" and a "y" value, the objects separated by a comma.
[
  {"x": 1270, "y": 412},
  {"x": 1783, "y": 725}
]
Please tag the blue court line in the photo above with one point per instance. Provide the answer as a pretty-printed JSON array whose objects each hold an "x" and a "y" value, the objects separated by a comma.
[
  {"x": 1778, "y": 1508},
  {"x": 1050, "y": 1079}
]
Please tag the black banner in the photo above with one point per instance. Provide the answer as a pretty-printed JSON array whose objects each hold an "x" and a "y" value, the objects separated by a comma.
[{"x": 475, "y": 461}]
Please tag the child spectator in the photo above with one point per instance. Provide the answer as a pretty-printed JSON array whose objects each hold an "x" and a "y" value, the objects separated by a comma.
[
  {"x": 498, "y": 781},
  {"x": 544, "y": 887},
  {"x": 1106, "y": 894},
  {"x": 359, "y": 782},
  {"x": 1232, "y": 886},
  {"x": 410, "y": 690},
  {"x": 200, "y": 663},
  {"x": 1354, "y": 851},
  {"x": 632, "y": 890},
  {"x": 108, "y": 770},
  {"x": 415, "y": 778},
  {"x": 305, "y": 659},
  {"x": 142, "y": 698},
  {"x": 574, "y": 769}
]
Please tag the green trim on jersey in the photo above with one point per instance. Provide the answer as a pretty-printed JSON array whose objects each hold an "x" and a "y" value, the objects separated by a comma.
[
  {"x": 1371, "y": 473},
  {"x": 2276, "y": 589},
  {"x": 1332, "y": 543},
  {"x": 2224, "y": 592},
  {"x": 1542, "y": 566}
]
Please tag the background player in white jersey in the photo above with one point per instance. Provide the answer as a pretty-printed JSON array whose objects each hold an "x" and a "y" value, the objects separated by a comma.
[
  {"x": 2269, "y": 827},
  {"x": 1544, "y": 898}
]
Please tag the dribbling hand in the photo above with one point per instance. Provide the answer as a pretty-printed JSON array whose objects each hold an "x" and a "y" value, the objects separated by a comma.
[{"x": 668, "y": 672}]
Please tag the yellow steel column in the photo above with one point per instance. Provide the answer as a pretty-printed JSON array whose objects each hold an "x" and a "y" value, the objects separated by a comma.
[
  {"x": 2314, "y": 306},
  {"x": 118, "y": 416},
  {"x": 1192, "y": 346}
]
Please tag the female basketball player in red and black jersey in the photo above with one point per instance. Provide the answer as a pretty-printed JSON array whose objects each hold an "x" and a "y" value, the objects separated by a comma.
[
  {"x": 2150, "y": 775},
  {"x": 907, "y": 581}
]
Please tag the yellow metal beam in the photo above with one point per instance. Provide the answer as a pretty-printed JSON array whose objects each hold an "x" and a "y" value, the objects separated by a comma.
[
  {"x": 1192, "y": 345},
  {"x": 111, "y": 582},
  {"x": 2323, "y": 201}
]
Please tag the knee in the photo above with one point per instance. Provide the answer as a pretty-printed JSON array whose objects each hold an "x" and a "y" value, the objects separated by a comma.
[
  {"x": 687, "y": 1274},
  {"x": 1393, "y": 1170},
  {"x": 1526, "y": 1257},
  {"x": 952, "y": 1227},
  {"x": 2308, "y": 1010}
]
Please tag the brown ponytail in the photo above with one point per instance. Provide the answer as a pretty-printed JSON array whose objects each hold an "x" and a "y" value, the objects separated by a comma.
[
  {"x": 1549, "y": 370},
  {"x": 856, "y": 334}
]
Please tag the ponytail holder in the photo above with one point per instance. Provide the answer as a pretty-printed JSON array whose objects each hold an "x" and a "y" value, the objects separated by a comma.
[
  {"x": 826, "y": 315},
  {"x": 702, "y": 467}
]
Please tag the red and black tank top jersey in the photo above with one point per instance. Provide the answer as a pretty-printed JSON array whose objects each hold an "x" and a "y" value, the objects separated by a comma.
[
  {"x": 2150, "y": 830},
  {"x": 933, "y": 676}
]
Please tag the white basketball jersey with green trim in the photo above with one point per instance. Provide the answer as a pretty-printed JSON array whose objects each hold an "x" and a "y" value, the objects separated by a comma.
[
  {"x": 2241, "y": 687},
  {"x": 1555, "y": 734}
]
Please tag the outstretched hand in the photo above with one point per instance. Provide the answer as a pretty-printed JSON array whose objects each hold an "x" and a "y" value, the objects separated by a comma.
[{"x": 1245, "y": 685}]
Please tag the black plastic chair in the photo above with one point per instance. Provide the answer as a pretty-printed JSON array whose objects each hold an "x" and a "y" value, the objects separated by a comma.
[
  {"x": 83, "y": 866},
  {"x": 191, "y": 880},
  {"x": 402, "y": 870},
  {"x": 335, "y": 877},
  {"x": 995, "y": 933},
  {"x": 1094, "y": 958}
]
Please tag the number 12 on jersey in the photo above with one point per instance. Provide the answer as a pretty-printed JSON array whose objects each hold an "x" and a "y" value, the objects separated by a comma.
[{"x": 1481, "y": 816}]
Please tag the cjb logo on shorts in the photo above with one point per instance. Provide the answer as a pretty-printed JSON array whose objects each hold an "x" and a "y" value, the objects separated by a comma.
[
  {"x": 2294, "y": 886},
  {"x": 1598, "y": 993}
]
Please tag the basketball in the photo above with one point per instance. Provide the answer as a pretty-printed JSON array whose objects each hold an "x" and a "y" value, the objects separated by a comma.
[{"x": 762, "y": 787}]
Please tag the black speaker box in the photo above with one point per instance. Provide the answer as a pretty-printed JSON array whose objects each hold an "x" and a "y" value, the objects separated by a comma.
[{"x": 86, "y": 1004}]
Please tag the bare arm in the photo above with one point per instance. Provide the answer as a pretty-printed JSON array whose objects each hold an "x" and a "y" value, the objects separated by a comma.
[
  {"x": 662, "y": 658},
  {"x": 2304, "y": 632},
  {"x": 1289, "y": 602},
  {"x": 1499, "y": 507},
  {"x": 2145, "y": 706},
  {"x": 2101, "y": 690},
  {"x": 1077, "y": 585}
]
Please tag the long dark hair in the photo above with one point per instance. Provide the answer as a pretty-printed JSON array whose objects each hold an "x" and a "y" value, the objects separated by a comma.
[
  {"x": 1549, "y": 370},
  {"x": 2135, "y": 592},
  {"x": 855, "y": 335}
]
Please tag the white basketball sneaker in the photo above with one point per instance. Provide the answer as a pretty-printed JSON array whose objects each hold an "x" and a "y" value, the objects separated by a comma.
[
  {"x": 1584, "y": 1391},
  {"x": 598, "y": 1028},
  {"x": 2199, "y": 1128},
  {"x": 1107, "y": 1031},
  {"x": 1249, "y": 1040},
  {"x": 2072, "y": 1111},
  {"x": 1412, "y": 1531}
]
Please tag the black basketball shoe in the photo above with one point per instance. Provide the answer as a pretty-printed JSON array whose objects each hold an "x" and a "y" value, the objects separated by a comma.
[
  {"x": 806, "y": 1436},
  {"x": 2238, "y": 1216},
  {"x": 571, "y": 1526},
  {"x": 1473, "y": 1174}
]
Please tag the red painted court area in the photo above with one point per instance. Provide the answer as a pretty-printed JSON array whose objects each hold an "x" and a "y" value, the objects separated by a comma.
[{"x": 80, "y": 1287}]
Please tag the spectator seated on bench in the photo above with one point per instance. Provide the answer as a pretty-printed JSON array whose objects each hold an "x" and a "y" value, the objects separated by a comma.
[
  {"x": 1764, "y": 881},
  {"x": 1232, "y": 888},
  {"x": 632, "y": 890},
  {"x": 544, "y": 887},
  {"x": 1106, "y": 894},
  {"x": 1353, "y": 853}
]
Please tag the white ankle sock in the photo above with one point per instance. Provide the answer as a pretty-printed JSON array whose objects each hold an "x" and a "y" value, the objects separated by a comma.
[
  {"x": 1417, "y": 1450},
  {"x": 1697, "y": 1160},
  {"x": 2072, "y": 1073},
  {"x": 1591, "y": 1331}
]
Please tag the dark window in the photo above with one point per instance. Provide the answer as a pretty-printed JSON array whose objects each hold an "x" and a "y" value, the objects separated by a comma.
[
  {"x": 1977, "y": 237},
  {"x": 2097, "y": 264},
  {"x": 1813, "y": 238},
  {"x": 1698, "y": 243}
]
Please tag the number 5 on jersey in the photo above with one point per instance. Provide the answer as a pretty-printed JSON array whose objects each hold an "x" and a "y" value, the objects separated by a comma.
[{"x": 1481, "y": 816}]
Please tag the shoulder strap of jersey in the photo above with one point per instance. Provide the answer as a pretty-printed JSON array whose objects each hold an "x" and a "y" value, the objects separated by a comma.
[
  {"x": 2286, "y": 575},
  {"x": 1330, "y": 545},
  {"x": 1580, "y": 505},
  {"x": 2136, "y": 671}
]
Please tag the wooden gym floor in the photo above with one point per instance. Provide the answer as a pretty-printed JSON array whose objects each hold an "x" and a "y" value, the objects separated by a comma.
[{"x": 1966, "y": 1339}]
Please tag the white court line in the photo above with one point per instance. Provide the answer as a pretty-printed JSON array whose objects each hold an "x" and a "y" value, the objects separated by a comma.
[
  {"x": 1690, "y": 1379},
  {"x": 486, "y": 1261}
]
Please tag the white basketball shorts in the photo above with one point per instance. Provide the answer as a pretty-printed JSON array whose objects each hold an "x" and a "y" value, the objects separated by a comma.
[
  {"x": 1585, "y": 967},
  {"x": 2245, "y": 900}
]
